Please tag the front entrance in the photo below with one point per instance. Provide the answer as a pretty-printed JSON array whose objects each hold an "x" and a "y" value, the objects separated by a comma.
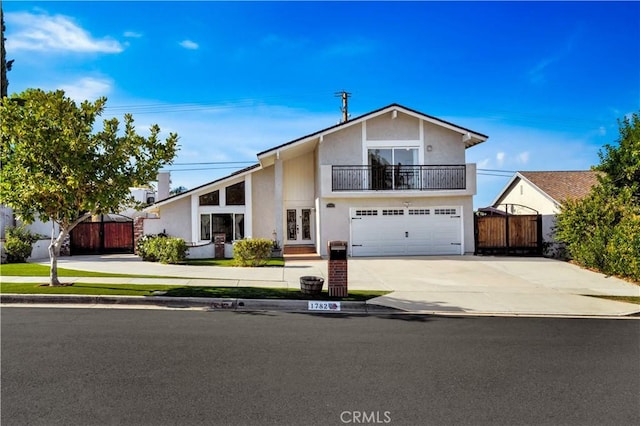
[{"x": 299, "y": 226}]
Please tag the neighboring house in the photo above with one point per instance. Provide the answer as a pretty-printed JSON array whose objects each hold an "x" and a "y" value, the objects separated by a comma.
[
  {"x": 544, "y": 192},
  {"x": 390, "y": 182}
]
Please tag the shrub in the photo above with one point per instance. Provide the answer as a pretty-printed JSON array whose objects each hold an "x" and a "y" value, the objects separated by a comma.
[
  {"x": 252, "y": 252},
  {"x": 19, "y": 244},
  {"x": 161, "y": 248},
  {"x": 602, "y": 231}
]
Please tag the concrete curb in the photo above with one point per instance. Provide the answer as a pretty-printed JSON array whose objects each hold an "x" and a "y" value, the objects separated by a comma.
[
  {"x": 246, "y": 305},
  {"x": 256, "y": 305}
]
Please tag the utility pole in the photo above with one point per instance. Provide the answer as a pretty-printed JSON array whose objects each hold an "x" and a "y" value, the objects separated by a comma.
[{"x": 345, "y": 105}]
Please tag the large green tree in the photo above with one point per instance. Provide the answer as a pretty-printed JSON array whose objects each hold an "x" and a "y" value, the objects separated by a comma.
[
  {"x": 56, "y": 166},
  {"x": 621, "y": 162},
  {"x": 602, "y": 230}
]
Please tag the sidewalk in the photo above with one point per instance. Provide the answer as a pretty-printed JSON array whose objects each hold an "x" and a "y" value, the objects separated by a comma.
[{"x": 447, "y": 285}]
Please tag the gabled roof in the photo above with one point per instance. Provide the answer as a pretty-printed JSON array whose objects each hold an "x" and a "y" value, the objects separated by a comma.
[
  {"x": 473, "y": 139},
  {"x": 558, "y": 186}
]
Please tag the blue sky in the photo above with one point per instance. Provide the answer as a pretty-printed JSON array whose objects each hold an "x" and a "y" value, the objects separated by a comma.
[{"x": 546, "y": 81}]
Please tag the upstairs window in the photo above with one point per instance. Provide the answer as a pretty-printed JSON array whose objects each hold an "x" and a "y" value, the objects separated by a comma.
[
  {"x": 210, "y": 199},
  {"x": 235, "y": 194}
]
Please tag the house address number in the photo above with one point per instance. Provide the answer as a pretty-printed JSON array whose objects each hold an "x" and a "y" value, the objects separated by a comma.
[{"x": 324, "y": 306}]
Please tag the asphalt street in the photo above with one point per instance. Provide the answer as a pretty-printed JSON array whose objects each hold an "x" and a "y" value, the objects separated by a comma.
[{"x": 154, "y": 367}]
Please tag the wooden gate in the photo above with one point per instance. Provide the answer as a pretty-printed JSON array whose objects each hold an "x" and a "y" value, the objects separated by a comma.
[
  {"x": 509, "y": 234},
  {"x": 102, "y": 237}
]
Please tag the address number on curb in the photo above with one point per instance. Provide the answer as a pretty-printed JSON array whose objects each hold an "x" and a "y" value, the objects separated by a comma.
[{"x": 324, "y": 306}]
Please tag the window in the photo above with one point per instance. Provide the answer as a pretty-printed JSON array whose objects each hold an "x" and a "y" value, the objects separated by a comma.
[
  {"x": 393, "y": 212},
  {"x": 366, "y": 212},
  {"x": 235, "y": 194},
  {"x": 419, "y": 211},
  {"x": 210, "y": 199},
  {"x": 229, "y": 224},
  {"x": 445, "y": 211},
  {"x": 391, "y": 168},
  {"x": 205, "y": 227}
]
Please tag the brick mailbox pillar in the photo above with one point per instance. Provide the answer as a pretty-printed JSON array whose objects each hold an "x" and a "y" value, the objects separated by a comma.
[{"x": 337, "y": 268}]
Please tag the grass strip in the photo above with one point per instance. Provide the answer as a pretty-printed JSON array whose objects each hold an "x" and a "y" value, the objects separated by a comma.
[
  {"x": 181, "y": 291},
  {"x": 274, "y": 262},
  {"x": 629, "y": 299}
]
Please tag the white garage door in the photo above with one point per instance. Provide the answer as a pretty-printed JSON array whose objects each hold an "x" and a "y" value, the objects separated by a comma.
[{"x": 406, "y": 231}]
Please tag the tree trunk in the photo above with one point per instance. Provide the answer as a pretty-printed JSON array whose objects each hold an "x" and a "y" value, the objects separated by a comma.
[
  {"x": 54, "y": 252},
  {"x": 56, "y": 243}
]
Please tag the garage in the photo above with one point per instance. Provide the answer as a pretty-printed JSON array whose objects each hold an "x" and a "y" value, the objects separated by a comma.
[{"x": 389, "y": 231}]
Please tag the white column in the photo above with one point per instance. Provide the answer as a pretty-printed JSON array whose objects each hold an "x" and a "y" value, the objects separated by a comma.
[
  {"x": 195, "y": 218},
  {"x": 278, "y": 183},
  {"x": 248, "y": 206}
]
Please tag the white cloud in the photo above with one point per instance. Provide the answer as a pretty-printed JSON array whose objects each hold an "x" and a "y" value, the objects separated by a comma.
[
  {"x": 523, "y": 157},
  {"x": 500, "y": 158},
  {"x": 87, "y": 88},
  {"x": 43, "y": 32},
  {"x": 188, "y": 44},
  {"x": 132, "y": 34}
]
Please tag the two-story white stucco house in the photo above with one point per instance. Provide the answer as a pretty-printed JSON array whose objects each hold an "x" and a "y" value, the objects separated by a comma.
[{"x": 391, "y": 182}]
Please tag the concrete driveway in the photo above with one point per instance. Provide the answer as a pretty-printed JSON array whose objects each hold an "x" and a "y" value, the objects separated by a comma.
[
  {"x": 463, "y": 284},
  {"x": 501, "y": 285}
]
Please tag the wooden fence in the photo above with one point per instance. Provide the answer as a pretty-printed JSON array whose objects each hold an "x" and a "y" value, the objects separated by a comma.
[
  {"x": 102, "y": 237},
  {"x": 509, "y": 234}
]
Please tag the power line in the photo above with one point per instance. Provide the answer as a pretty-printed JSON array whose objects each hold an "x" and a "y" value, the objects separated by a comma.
[{"x": 213, "y": 163}]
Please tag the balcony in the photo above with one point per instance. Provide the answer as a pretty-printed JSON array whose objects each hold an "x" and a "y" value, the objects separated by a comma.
[{"x": 399, "y": 178}]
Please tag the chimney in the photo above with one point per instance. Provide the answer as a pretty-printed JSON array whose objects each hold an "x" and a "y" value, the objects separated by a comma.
[{"x": 164, "y": 181}]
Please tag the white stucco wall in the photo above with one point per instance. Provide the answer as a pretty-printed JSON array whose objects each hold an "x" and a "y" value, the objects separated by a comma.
[
  {"x": 343, "y": 147},
  {"x": 299, "y": 181},
  {"x": 523, "y": 193},
  {"x": 446, "y": 145},
  {"x": 263, "y": 203},
  {"x": 385, "y": 127},
  {"x": 174, "y": 218}
]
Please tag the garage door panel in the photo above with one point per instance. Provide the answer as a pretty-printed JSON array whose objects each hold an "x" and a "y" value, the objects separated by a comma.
[{"x": 417, "y": 231}]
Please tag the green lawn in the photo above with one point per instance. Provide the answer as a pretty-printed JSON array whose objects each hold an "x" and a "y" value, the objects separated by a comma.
[
  {"x": 38, "y": 270},
  {"x": 180, "y": 291}
]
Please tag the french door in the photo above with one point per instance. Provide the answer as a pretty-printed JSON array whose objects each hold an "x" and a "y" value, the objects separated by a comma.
[{"x": 299, "y": 226}]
